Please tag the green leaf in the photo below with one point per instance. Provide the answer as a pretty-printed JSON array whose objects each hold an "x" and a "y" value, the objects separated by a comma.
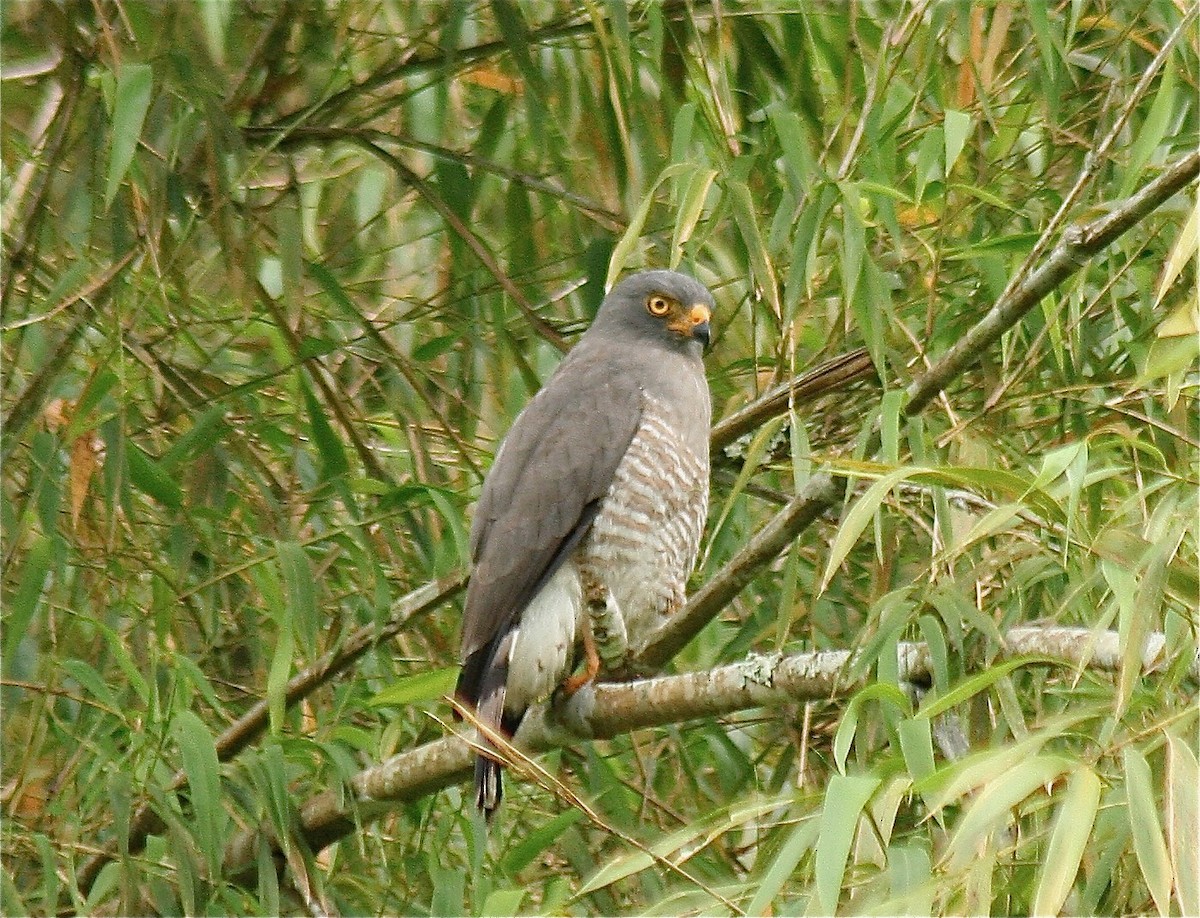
[
  {"x": 200, "y": 764},
  {"x": 761, "y": 269},
  {"x": 1068, "y": 840},
  {"x": 98, "y": 386},
  {"x": 933, "y": 705},
  {"x": 857, "y": 519},
  {"x": 24, "y": 603},
  {"x": 992, "y": 806},
  {"x": 203, "y": 435},
  {"x": 707, "y": 829},
  {"x": 950, "y": 783},
  {"x": 301, "y": 594},
  {"x": 689, "y": 210},
  {"x": 538, "y": 840},
  {"x": 503, "y": 902},
  {"x": 106, "y": 881},
  {"x": 909, "y": 869},
  {"x": 149, "y": 477},
  {"x": 421, "y": 687},
  {"x": 957, "y": 129},
  {"x": 329, "y": 446},
  {"x": 215, "y": 15},
  {"x": 1146, "y": 827},
  {"x": 781, "y": 868},
  {"x": 91, "y": 681},
  {"x": 844, "y": 801},
  {"x": 1148, "y": 136},
  {"x": 135, "y": 82},
  {"x": 624, "y": 247},
  {"x": 916, "y": 745},
  {"x": 1135, "y": 622},
  {"x": 10, "y": 899},
  {"x": 882, "y": 692},
  {"x": 1183, "y": 820}
]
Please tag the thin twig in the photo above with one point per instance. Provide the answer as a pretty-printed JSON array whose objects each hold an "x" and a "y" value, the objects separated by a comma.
[{"x": 474, "y": 243}]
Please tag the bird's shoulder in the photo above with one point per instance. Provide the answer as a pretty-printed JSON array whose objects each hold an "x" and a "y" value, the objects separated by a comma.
[{"x": 563, "y": 448}]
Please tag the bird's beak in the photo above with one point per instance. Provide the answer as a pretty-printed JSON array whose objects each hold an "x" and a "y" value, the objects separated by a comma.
[{"x": 698, "y": 319}]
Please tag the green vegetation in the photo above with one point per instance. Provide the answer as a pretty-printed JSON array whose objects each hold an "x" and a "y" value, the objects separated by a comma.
[{"x": 278, "y": 275}]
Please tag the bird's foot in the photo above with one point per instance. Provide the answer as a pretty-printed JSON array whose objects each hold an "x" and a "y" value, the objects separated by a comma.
[{"x": 573, "y": 684}]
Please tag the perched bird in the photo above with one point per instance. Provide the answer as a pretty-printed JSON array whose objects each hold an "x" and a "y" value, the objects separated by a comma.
[{"x": 598, "y": 493}]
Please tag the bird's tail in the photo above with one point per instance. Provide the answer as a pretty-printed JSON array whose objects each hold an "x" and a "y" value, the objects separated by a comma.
[
  {"x": 489, "y": 785},
  {"x": 489, "y": 708}
]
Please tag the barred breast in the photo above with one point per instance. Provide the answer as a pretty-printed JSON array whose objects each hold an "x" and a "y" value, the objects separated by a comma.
[{"x": 644, "y": 540}]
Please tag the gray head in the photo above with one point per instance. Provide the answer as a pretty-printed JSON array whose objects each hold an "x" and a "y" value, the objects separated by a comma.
[{"x": 658, "y": 307}]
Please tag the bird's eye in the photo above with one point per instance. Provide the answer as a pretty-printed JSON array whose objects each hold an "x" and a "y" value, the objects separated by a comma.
[{"x": 658, "y": 305}]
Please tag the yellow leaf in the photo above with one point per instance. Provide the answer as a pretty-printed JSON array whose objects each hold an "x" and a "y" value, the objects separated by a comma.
[{"x": 1181, "y": 254}]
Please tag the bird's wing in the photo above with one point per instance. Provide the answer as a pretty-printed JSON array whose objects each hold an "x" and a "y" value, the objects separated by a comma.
[{"x": 544, "y": 488}]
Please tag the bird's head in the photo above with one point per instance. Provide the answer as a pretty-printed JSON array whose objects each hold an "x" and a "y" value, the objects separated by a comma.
[{"x": 664, "y": 306}]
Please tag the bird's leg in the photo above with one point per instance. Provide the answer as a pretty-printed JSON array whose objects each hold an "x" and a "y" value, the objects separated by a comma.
[
  {"x": 608, "y": 629},
  {"x": 608, "y": 624},
  {"x": 605, "y": 641}
]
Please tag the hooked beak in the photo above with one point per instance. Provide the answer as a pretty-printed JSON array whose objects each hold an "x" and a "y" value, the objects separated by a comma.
[{"x": 696, "y": 324}]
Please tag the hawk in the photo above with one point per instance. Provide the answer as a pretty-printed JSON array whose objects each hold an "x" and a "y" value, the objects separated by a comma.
[{"x": 598, "y": 493}]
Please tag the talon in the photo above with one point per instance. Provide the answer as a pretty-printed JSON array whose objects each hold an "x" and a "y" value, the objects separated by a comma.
[{"x": 573, "y": 684}]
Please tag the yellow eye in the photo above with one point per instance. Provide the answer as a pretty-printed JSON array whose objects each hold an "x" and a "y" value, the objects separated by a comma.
[{"x": 658, "y": 305}]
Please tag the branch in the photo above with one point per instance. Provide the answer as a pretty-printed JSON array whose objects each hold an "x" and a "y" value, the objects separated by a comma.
[
  {"x": 611, "y": 709},
  {"x": 303, "y": 136},
  {"x": 1079, "y": 242},
  {"x": 835, "y": 373},
  {"x": 31, "y": 400},
  {"x": 468, "y": 236}
]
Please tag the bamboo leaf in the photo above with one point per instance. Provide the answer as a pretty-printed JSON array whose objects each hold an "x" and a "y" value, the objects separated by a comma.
[
  {"x": 301, "y": 593},
  {"x": 957, "y": 128},
  {"x": 200, "y": 764},
  {"x": 1186, "y": 319},
  {"x": 1183, "y": 821},
  {"x": 25, "y": 601},
  {"x": 149, "y": 477},
  {"x": 992, "y": 807},
  {"x": 417, "y": 688},
  {"x": 845, "y": 799},
  {"x": 861, "y": 513},
  {"x": 1144, "y": 823},
  {"x": 1069, "y": 840},
  {"x": 799, "y": 842},
  {"x": 680, "y": 845},
  {"x": 135, "y": 83},
  {"x": 538, "y": 841}
]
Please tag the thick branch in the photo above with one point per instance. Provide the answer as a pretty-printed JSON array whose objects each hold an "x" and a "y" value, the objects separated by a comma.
[{"x": 612, "y": 709}]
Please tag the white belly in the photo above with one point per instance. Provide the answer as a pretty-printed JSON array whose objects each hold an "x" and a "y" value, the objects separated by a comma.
[{"x": 544, "y": 644}]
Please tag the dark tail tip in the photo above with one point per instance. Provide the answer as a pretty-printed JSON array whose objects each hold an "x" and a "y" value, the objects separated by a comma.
[{"x": 488, "y": 785}]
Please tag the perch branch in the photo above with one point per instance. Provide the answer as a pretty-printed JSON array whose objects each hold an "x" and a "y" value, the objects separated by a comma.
[{"x": 612, "y": 709}]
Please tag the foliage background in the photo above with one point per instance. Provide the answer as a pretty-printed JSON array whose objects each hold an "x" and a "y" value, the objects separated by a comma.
[{"x": 277, "y": 275}]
